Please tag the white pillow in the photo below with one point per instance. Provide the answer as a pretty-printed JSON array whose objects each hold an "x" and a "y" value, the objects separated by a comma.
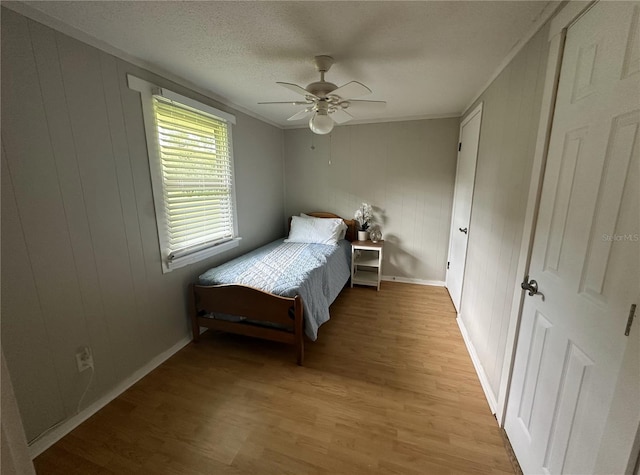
[
  {"x": 342, "y": 226},
  {"x": 318, "y": 231}
]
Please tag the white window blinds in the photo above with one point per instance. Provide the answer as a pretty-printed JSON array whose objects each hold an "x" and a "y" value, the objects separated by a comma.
[{"x": 197, "y": 177}]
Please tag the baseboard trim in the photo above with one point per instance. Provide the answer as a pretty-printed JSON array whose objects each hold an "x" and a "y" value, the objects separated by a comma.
[
  {"x": 408, "y": 280},
  {"x": 64, "y": 428},
  {"x": 484, "y": 381}
]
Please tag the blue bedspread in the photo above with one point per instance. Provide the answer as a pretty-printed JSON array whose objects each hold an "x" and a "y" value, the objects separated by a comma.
[{"x": 317, "y": 272}]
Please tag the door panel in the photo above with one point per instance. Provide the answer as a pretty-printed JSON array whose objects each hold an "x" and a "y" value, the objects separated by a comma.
[
  {"x": 586, "y": 250},
  {"x": 463, "y": 196}
]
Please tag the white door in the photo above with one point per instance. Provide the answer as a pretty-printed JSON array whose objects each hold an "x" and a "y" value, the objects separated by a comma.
[
  {"x": 463, "y": 194},
  {"x": 586, "y": 251}
]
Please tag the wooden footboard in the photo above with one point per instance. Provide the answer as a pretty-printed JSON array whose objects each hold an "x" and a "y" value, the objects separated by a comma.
[{"x": 253, "y": 304}]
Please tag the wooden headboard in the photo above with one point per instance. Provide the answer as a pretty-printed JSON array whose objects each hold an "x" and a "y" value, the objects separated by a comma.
[{"x": 351, "y": 223}]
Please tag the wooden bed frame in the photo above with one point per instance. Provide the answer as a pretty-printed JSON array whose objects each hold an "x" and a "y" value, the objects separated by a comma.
[{"x": 254, "y": 304}]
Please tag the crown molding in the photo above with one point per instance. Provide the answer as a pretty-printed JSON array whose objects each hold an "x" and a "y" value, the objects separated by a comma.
[
  {"x": 547, "y": 12},
  {"x": 452, "y": 115}
]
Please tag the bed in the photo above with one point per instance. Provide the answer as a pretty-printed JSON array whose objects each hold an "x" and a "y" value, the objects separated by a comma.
[{"x": 278, "y": 292}]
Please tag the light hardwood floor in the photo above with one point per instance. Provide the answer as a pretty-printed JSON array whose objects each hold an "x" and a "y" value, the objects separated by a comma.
[{"x": 388, "y": 388}]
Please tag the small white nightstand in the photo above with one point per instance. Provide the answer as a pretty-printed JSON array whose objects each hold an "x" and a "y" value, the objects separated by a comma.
[{"x": 366, "y": 263}]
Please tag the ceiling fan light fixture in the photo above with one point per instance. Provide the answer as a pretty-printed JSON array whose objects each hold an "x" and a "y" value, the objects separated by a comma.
[
  {"x": 326, "y": 101},
  {"x": 320, "y": 123}
]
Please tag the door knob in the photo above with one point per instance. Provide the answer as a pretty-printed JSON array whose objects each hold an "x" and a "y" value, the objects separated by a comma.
[
  {"x": 532, "y": 287},
  {"x": 463, "y": 230}
]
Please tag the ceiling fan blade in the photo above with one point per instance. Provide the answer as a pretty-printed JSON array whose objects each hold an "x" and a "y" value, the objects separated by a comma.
[
  {"x": 351, "y": 89},
  {"x": 360, "y": 104},
  {"x": 364, "y": 101},
  {"x": 300, "y": 115},
  {"x": 293, "y": 103},
  {"x": 340, "y": 116},
  {"x": 295, "y": 88}
]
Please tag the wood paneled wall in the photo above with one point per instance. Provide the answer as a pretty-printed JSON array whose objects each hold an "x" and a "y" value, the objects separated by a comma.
[
  {"x": 511, "y": 112},
  {"x": 406, "y": 170},
  {"x": 80, "y": 256}
]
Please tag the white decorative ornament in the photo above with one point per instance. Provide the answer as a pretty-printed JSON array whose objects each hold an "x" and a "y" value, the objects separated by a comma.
[
  {"x": 375, "y": 235},
  {"x": 363, "y": 216}
]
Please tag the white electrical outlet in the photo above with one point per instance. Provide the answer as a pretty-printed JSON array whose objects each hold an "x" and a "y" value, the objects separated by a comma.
[{"x": 84, "y": 359}]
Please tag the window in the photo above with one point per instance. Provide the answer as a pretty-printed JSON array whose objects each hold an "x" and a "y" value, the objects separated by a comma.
[{"x": 191, "y": 163}]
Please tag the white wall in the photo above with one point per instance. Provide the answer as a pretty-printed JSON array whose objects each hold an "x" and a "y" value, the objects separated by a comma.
[
  {"x": 80, "y": 258},
  {"x": 511, "y": 112},
  {"x": 406, "y": 170}
]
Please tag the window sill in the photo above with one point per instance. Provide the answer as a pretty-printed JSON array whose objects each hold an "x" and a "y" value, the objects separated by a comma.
[{"x": 200, "y": 255}]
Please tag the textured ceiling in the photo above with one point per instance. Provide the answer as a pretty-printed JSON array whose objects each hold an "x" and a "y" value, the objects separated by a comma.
[{"x": 423, "y": 58}]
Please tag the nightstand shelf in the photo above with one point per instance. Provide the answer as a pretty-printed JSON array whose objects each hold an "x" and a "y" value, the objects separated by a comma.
[{"x": 366, "y": 263}]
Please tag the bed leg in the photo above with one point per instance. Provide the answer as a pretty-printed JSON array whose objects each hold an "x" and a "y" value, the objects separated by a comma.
[
  {"x": 195, "y": 328},
  {"x": 299, "y": 330}
]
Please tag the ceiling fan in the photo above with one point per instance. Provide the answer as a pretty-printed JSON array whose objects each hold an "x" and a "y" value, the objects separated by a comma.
[{"x": 326, "y": 101}]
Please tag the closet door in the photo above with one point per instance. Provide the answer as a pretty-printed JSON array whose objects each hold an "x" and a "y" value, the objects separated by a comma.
[{"x": 463, "y": 195}]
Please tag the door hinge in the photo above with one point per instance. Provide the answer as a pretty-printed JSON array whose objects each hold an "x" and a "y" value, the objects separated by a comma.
[
  {"x": 632, "y": 314},
  {"x": 447, "y": 265},
  {"x": 459, "y": 146}
]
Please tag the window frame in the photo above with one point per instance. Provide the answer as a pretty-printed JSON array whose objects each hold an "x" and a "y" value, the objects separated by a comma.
[{"x": 147, "y": 90}]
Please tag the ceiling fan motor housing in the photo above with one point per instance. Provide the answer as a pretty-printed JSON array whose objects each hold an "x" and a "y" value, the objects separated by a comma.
[{"x": 321, "y": 88}]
